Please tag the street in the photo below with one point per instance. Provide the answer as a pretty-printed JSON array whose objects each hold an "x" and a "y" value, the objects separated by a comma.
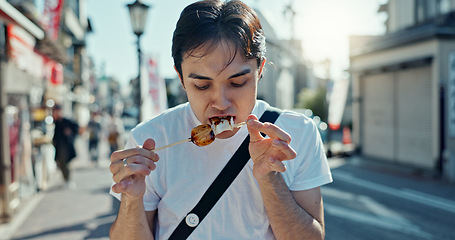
[
  {"x": 365, "y": 201},
  {"x": 372, "y": 202}
]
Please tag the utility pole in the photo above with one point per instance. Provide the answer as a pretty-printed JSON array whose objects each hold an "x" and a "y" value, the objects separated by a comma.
[
  {"x": 327, "y": 64},
  {"x": 289, "y": 10}
]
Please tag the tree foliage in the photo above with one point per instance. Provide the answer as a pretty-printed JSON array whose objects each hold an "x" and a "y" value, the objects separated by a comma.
[{"x": 314, "y": 100}]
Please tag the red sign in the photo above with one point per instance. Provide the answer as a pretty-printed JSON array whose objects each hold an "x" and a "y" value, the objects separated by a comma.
[
  {"x": 157, "y": 86},
  {"x": 54, "y": 71},
  {"x": 51, "y": 17},
  {"x": 57, "y": 74},
  {"x": 21, "y": 51}
]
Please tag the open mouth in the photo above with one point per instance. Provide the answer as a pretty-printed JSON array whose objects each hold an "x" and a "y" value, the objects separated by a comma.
[{"x": 221, "y": 124}]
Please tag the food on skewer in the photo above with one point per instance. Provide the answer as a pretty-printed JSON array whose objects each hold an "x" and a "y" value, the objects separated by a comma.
[
  {"x": 201, "y": 135},
  {"x": 204, "y": 134},
  {"x": 220, "y": 125}
]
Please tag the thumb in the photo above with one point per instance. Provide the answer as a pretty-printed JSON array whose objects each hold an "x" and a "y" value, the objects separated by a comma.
[
  {"x": 149, "y": 144},
  {"x": 253, "y": 125},
  {"x": 119, "y": 187}
]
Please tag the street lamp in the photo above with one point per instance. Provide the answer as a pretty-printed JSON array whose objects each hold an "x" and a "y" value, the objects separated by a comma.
[{"x": 138, "y": 15}]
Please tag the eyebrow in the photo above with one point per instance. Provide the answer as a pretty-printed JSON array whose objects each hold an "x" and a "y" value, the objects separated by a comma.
[
  {"x": 244, "y": 72},
  {"x": 197, "y": 76}
]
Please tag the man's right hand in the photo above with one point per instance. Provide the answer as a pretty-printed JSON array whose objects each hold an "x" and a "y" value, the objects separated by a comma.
[{"x": 130, "y": 179}]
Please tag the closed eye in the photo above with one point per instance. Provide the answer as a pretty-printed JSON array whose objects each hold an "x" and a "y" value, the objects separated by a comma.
[
  {"x": 238, "y": 84},
  {"x": 201, "y": 87}
]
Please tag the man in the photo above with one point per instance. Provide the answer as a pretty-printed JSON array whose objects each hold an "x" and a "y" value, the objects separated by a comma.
[
  {"x": 94, "y": 130},
  {"x": 218, "y": 50},
  {"x": 65, "y": 132}
]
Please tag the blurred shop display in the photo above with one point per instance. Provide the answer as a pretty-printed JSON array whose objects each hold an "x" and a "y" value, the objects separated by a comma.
[{"x": 42, "y": 62}]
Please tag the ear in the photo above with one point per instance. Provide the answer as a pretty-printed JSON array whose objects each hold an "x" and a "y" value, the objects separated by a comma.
[{"x": 181, "y": 79}]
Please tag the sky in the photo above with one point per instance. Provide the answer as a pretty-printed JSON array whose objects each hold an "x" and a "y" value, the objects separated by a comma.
[{"x": 322, "y": 25}]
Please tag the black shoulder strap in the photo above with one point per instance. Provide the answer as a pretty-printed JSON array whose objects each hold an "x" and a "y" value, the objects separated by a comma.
[{"x": 220, "y": 184}]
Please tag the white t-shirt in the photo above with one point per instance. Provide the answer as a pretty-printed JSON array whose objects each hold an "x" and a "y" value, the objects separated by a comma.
[{"x": 184, "y": 172}]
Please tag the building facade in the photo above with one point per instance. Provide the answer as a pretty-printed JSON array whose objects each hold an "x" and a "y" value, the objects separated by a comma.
[
  {"x": 403, "y": 93},
  {"x": 286, "y": 73},
  {"x": 42, "y": 63}
]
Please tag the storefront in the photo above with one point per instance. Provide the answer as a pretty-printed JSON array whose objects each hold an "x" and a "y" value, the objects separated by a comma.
[
  {"x": 25, "y": 76},
  {"x": 400, "y": 112},
  {"x": 397, "y": 116}
]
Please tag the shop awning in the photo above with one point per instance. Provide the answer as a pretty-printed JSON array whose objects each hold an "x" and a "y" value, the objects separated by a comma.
[
  {"x": 10, "y": 13},
  {"x": 44, "y": 45}
]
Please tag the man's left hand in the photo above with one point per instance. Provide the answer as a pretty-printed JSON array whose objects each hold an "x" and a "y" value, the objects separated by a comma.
[{"x": 268, "y": 153}]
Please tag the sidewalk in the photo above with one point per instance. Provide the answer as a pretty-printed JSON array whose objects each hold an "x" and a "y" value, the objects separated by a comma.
[
  {"x": 61, "y": 213},
  {"x": 82, "y": 213}
]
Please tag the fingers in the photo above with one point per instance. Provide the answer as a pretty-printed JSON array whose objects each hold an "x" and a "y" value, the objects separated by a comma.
[
  {"x": 268, "y": 154},
  {"x": 133, "y": 156},
  {"x": 119, "y": 187},
  {"x": 273, "y": 131},
  {"x": 285, "y": 150},
  {"x": 138, "y": 151},
  {"x": 263, "y": 168},
  {"x": 122, "y": 186},
  {"x": 149, "y": 144},
  {"x": 140, "y": 161},
  {"x": 276, "y": 165},
  {"x": 131, "y": 169},
  {"x": 255, "y": 134}
]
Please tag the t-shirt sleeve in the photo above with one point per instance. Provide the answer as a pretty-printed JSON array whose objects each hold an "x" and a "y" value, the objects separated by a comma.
[
  {"x": 151, "y": 198},
  {"x": 310, "y": 169}
]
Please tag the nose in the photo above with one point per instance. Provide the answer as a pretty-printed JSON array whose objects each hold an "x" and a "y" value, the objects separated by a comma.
[{"x": 221, "y": 99}]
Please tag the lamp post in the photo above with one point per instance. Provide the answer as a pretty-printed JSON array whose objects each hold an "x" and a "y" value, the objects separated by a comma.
[{"x": 138, "y": 15}]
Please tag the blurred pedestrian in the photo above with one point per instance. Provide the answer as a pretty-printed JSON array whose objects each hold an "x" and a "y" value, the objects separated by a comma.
[
  {"x": 94, "y": 131},
  {"x": 115, "y": 131},
  {"x": 65, "y": 132}
]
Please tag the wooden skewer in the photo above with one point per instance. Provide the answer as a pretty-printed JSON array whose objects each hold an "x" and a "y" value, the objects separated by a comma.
[
  {"x": 172, "y": 144},
  {"x": 189, "y": 139},
  {"x": 238, "y": 125}
]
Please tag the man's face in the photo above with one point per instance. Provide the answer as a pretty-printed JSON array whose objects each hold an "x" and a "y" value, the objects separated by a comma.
[{"x": 217, "y": 88}]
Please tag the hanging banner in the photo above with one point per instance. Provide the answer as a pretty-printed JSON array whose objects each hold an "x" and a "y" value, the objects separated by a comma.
[
  {"x": 338, "y": 96},
  {"x": 155, "y": 99},
  {"x": 51, "y": 17}
]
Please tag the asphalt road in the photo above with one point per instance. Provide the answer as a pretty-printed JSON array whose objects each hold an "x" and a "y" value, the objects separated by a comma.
[{"x": 378, "y": 202}]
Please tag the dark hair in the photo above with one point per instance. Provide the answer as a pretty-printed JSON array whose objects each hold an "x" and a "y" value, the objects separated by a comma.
[{"x": 207, "y": 23}]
